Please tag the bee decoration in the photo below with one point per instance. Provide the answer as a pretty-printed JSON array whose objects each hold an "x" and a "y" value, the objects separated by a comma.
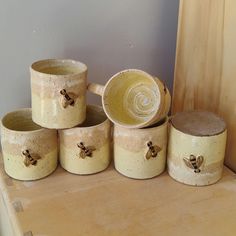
[
  {"x": 165, "y": 89},
  {"x": 153, "y": 150},
  {"x": 85, "y": 151},
  {"x": 194, "y": 163},
  {"x": 67, "y": 98},
  {"x": 30, "y": 159}
]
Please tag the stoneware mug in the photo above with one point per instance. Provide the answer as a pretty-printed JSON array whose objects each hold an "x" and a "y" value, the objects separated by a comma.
[
  {"x": 29, "y": 151},
  {"x": 133, "y": 98},
  {"x": 86, "y": 149},
  {"x": 196, "y": 148},
  {"x": 140, "y": 153},
  {"x": 58, "y": 93}
]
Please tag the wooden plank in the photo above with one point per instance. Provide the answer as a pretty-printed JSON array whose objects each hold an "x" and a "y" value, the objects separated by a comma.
[
  {"x": 5, "y": 224},
  {"x": 111, "y": 204},
  {"x": 205, "y": 67}
]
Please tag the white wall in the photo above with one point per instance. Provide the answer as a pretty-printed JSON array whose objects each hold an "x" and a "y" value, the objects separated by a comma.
[{"x": 107, "y": 35}]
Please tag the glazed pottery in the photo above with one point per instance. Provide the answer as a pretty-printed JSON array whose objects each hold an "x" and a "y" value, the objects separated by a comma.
[
  {"x": 133, "y": 98},
  {"x": 85, "y": 149},
  {"x": 140, "y": 153},
  {"x": 29, "y": 151},
  {"x": 58, "y": 93},
  {"x": 196, "y": 147}
]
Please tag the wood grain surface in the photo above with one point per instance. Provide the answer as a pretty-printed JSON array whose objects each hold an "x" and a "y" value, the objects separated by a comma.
[
  {"x": 205, "y": 67},
  {"x": 111, "y": 204}
]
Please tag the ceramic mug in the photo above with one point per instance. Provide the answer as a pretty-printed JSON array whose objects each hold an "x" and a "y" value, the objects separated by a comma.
[
  {"x": 133, "y": 98},
  {"x": 196, "y": 148},
  {"x": 29, "y": 151},
  {"x": 86, "y": 149},
  {"x": 140, "y": 153},
  {"x": 58, "y": 92}
]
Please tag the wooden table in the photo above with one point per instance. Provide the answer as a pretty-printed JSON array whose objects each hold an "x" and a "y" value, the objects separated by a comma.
[{"x": 111, "y": 204}]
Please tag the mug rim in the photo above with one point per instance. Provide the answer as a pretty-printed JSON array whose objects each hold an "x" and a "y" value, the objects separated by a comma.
[
  {"x": 20, "y": 131},
  {"x": 164, "y": 121},
  {"x": 139, "y": 125},
  {"x": 72, "y": 61}
]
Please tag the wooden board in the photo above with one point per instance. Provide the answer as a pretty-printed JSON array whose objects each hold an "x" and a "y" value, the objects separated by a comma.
[
  {"x": 205, "y": 70},
  {"x": 111, "y": 204},
  {"x": 5, "y": 223}
]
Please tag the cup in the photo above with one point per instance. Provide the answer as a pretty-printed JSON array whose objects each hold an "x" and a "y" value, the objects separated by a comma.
[
  {"x": 86, "y": 149},
  {"x": 29, "y": 151},
  {"x": 58, "y": 93},
  {"x": 140, "y": 153},
  {"x": 133, "y": 98},
  {"x": 196, "y": 148}
]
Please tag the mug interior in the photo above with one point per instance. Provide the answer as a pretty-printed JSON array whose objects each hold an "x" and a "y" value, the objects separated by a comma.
[
  {"x": 59, "y": 67},
  {"x": 20, "y": 121},
  {"x": 131, "y": 97},
  {"x": 94, "y": 116}
]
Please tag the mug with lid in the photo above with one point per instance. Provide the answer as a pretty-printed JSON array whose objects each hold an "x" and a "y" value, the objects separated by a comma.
[
  {"x": 58, "y": 93},
  {"x": 196, "y": 147},
  {"x": 133, "y": 99}
]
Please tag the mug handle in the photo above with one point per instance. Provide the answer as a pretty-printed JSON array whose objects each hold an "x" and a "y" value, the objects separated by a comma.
[{"x": 96, "y": 88}]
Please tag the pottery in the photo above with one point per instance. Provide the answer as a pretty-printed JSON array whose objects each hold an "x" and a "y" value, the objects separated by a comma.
[
  {"x": 29, "y": 151},
  {"x": 85, "y": 149},
  {"x": 58, "y": 93},
  {"x": 140, "y": 153},
  {"x": 133, "y": 98},
  {"x": 196, "y": 147}
]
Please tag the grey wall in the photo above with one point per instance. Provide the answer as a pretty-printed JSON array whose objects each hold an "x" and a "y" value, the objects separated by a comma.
[{"x": 107, "y": 35}]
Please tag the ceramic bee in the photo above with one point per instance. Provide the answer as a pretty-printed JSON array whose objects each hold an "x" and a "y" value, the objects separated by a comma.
[
  {"x": 67, "y": 99},
  {"x": 194, "y": 163},
  {"x": 85, "y": 151},
  {"x": 30, "y": 159},
  {"x": 153, "y": 150}
]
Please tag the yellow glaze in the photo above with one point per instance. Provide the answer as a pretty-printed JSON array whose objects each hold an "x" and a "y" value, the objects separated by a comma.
[
  {"x": 131, "y": 150},
  {"x": 20, "y": 134},
  {"x": 94, "y": 134},
  {"x": 182, "y": 145},
  {"x": 133, "y": 98},
  {"x": 70, "y": 160},
  {"x": 50, "y": 107},
  {"x": 14, "y": 166}
]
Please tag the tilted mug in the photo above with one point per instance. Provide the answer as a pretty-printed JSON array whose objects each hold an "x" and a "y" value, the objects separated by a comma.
[{"x": 133, "y": 99}]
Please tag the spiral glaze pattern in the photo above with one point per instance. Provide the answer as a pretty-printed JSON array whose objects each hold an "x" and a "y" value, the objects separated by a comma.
[{"x": 141, "y": 101}]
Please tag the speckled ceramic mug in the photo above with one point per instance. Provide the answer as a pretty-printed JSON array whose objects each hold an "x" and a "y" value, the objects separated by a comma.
[
  {"x": 196, "y": 148},
  {"x": 140, "y": 153},
  {"x": 58, "y": 93},
  {"x": 29, "y": 151},
  {"x": 85, "y": 149},
  {"x": 133, "y": 99}
]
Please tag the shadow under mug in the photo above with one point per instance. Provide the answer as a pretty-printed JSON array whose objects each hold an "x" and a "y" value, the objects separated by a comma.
[
  {"x": 134, "y": 99},
  {"x": 29, "y": 151},
  {"x": 58, "y": 93},
  {"x": 85, "y": 149}
]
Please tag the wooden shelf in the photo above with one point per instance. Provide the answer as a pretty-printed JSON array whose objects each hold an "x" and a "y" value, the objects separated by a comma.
[{"x": 111, "y": 204}]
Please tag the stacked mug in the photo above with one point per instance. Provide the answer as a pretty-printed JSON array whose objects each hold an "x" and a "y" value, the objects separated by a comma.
[
  {"x": 30, "y": 143},
  {"x": 60, "y": 123},
  {"x": 137, "y": 103}
]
